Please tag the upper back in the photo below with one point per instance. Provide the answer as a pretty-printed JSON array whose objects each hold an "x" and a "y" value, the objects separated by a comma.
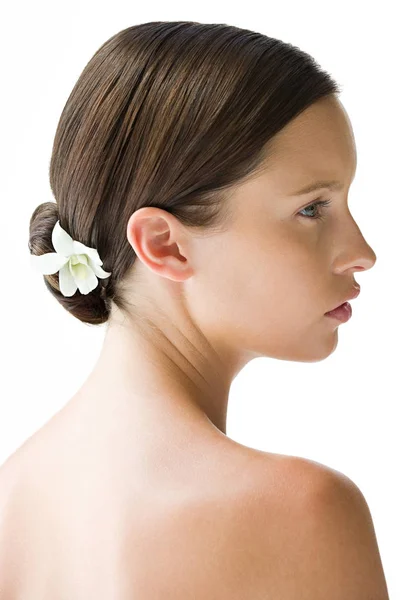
[
  {"x": 76, "y": 525},
  {"x": 270, "y": 527}
]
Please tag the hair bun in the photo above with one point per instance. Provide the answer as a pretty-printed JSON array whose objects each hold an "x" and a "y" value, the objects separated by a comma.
[{"x": 92, "y": 308}]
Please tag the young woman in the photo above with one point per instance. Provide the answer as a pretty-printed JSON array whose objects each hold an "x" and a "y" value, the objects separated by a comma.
[{"x": 201, "y": 174}]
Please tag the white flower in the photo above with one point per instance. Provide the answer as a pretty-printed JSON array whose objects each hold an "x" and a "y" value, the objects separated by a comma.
[{"x": 78, "y": 264}]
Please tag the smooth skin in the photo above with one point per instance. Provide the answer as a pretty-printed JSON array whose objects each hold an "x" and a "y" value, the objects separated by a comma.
[{"x": 134, "y": 489}]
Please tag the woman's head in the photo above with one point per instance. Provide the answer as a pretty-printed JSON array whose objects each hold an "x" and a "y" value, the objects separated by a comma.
[{"x": 180, "y": 145}]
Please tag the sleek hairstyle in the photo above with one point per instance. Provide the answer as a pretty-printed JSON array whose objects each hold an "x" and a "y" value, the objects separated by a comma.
[{"x": 170, "y": 114}]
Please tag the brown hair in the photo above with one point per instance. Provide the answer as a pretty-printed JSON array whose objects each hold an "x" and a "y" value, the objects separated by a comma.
[{"x": 170, "y": 114}]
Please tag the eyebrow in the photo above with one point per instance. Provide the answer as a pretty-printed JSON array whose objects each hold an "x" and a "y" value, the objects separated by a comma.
[{"x": 332, "y": 184}]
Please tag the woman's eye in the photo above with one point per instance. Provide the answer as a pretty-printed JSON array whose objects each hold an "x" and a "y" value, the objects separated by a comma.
[{"x": 321, "y": 204}]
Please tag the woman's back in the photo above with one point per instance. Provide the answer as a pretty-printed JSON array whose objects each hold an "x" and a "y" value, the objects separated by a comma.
[
  {"x": 82, "y": 515},
  {"x": 83, "y": 519}
]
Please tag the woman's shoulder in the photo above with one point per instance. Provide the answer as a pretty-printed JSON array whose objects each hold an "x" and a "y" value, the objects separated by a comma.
[
  {"x": 292, "y": 478},
  {"x": 313, "y": 533},
  {"x": 234, "y": 517},
  {"x": 227, "y": 538}
]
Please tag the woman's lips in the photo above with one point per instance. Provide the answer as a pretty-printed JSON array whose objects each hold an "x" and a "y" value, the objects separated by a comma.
[{"x": 341, "y": 313}]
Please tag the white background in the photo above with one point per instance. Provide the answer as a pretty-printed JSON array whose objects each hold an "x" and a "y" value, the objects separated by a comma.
[{"x": 343, "y": 411}]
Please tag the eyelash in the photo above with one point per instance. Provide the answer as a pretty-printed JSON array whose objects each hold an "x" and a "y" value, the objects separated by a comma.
[{"x": 321, "y": 203}]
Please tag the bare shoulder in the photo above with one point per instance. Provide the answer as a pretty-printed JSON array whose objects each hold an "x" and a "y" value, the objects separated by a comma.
[
  {"x": 9, "y": 474},
  {"x": 9, "y": 478},
  {"x": 314, "y": 536}
]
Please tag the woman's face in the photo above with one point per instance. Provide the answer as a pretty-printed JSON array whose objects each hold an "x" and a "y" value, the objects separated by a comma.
[{"x": 265, "y": 284}]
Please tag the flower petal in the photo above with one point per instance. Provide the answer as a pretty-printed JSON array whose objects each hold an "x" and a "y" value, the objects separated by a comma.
[
  {"x": 48, "y": 263},
  {"x": 62, "y": 241},
  {"x": 80, "y": 248},
  {"x": 87, "y": 283},
  {"x": 76, "y": 259},
  {"x": 98, "y": 270},
  {"x": 67, "y": 283}
]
